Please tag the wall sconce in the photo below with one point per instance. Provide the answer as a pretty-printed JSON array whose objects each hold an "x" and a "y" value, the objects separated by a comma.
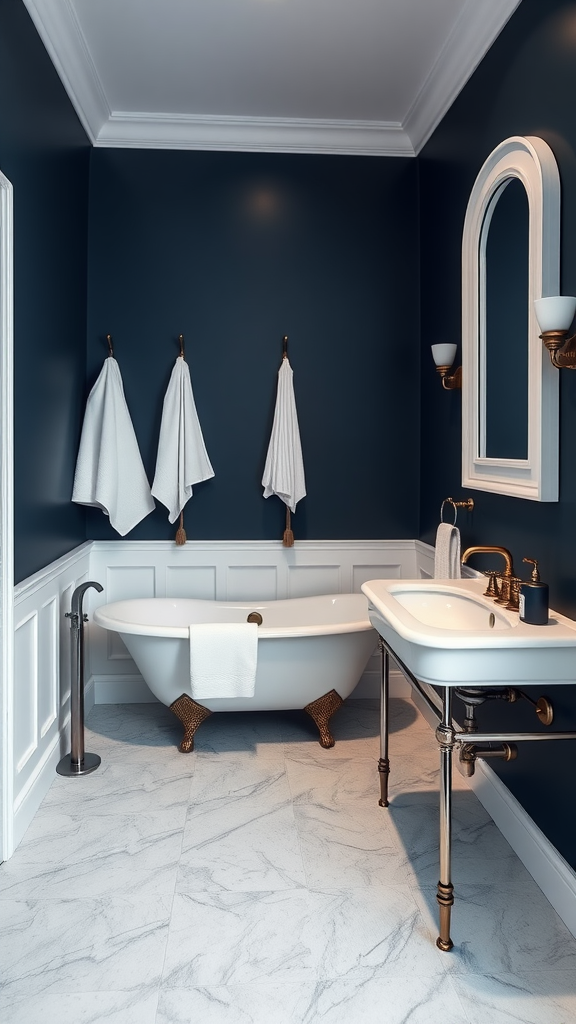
[
  {"x": 554, "y": 315},
  {"x": 443, "y": 356}
]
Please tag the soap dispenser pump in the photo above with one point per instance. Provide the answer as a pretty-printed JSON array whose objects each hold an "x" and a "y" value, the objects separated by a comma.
[{"x": 534, "y": 598}]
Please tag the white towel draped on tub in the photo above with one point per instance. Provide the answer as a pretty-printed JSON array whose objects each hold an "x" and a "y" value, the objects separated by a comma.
[
  {"x": 109, "y": 471},
  {"x": 447, "y": 553},
  {"x": 284, "y": 468},
  {"x": 182, "y": 457},
  {"x": 223, "y": 659}
]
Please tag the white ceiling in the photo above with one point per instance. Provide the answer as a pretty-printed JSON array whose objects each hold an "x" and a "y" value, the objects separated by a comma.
[{"x": 328, "y": 76}]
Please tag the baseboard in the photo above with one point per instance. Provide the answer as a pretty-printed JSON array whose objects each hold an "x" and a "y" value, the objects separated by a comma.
[
  {"x": 39, "y": 783},
  {"x": 121, "y": 690},
  {"x": 369, "y": 686},
  {"x": 550, "y": 871}
]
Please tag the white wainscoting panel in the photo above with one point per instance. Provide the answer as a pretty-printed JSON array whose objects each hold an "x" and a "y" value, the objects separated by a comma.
[
  {"x": 232, "y": 571},
  {"x": 41, "y": 696}
]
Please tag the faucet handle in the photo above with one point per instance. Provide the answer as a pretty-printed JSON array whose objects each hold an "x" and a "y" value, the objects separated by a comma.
[
  {"x": 492, "y": 590},
  {"x": 514, "y": 602}
]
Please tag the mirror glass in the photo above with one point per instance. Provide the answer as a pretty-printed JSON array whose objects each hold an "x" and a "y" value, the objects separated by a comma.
[{"x": 505, "y": 243}]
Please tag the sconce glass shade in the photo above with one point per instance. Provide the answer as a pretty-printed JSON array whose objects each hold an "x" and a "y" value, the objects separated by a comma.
[
  {"x": 556, "y": 312},
  {"x": 443, "y": 355}
]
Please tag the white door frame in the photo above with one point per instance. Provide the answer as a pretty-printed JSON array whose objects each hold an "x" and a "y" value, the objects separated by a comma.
[{"x": 6, "y": 516}]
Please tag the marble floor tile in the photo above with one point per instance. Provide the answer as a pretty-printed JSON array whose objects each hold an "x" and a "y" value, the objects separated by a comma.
[
  {"x": 84, "y": 945},
  {"x": 73, "y": 855},
  {"x": 226, "y": 777},
  {"x": 131, "y": 788},
  {"x": 131, "y": 729},
  {"x": 424, "y": 1001},
  {"x": 479, "y": 851},
  {"x": 498, "y": 931},
  {"x": 81, "y": 1008},
  {"x": 538, "y": 997},
  {"x": 256, "y": 1003},
  {"x": 429, "y": 1000},
  {"x": 240, "y": 937},
  {"x": 243, "y": 841},
  {"x": 228, "y": 938},
  {"x": 257, "y": 880},
  {"x": 349, "y": 847},
  {"x": 232, "y": 733},
  {"x": 337, "y": 782}
]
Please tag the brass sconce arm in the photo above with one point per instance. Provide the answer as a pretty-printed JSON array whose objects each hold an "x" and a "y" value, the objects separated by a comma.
[
  {"x": 452, "y": 382},
  {"x": 562, "y": 349}
]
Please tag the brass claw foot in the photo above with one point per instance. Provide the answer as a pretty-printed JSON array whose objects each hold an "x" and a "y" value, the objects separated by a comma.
[
  {"x": 191, "y": 715},
  {"x": 321, "y": 710}
]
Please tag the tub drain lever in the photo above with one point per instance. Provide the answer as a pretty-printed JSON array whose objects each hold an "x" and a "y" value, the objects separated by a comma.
[{"x": 77, "y": 762}]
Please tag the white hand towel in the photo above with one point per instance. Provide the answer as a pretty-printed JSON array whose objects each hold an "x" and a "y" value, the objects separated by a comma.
[
  {"x": 447, "y": 553},
  {"x": 109, "y": 471},
  {"x": 223, "y": 659},
  {"x": 284, "y": 468},
  {"x": 182, "y": 458}
]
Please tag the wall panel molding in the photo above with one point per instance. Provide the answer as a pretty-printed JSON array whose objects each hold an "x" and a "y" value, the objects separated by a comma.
[{"x": 40, "y": 696}]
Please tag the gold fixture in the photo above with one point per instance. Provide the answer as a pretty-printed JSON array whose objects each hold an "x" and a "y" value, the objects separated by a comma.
[
  {"x": 110, "y": 349},
  {"x": 443, "y": 355},
  {"x": 468, "y": 504},
  {"x": 453, "y": 382},
  {"x": 482, "y": 549},
  {"x": 255, "y": 617},
  {"x": 561, "y": 348},
  {"x": 555, "y": 314}
]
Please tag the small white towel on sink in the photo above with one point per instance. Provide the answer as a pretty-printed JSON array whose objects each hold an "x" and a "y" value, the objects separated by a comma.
[
  {"x": 223, "y": 659},
  {"x": 109, "y": 471},
  {"x": 447, "y": 553}
]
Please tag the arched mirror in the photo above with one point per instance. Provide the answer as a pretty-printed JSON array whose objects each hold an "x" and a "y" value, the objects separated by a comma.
[{"x": 510, "y": 256}]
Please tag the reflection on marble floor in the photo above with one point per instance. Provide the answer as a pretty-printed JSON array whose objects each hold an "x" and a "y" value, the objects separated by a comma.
[{"x": 256, "y": 881}]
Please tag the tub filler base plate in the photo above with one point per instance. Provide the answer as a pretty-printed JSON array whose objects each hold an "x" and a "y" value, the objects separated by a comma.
[
  {"x": 321, "y": 710},
  {"x": 191, "y": 715}
]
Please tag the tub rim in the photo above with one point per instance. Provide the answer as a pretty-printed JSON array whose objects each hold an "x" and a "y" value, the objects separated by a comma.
[{"x": 121, "y": 625}]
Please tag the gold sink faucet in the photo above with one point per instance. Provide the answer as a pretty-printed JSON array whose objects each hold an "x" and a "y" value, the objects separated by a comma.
[{"x": 508, "y": 594}]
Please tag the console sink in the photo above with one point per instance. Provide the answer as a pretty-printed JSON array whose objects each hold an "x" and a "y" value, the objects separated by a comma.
[{"x": 447, "y": 633}]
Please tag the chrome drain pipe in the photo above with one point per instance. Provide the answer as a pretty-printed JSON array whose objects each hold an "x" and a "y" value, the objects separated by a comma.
[{"x": 77, "y": 762}]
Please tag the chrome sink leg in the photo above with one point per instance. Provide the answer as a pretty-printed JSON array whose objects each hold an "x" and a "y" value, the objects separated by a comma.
[
  {"x": 384, "y": 763},
  {"x": 445, "y": 892}
]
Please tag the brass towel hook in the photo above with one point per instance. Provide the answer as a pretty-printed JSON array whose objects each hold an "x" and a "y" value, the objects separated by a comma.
[
  {"x": 181, "y": 343},
  {"x": 110, "y": 349},
  {"x": 285, "y": 347}
]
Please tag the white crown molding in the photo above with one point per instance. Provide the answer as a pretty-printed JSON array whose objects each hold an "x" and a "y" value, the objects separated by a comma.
[
  {"x": 253, "y": 134},
  {"x": 477, "y": 27},
  {"x": 60, "y": 32},
  {"x": 474, "y": 32}
]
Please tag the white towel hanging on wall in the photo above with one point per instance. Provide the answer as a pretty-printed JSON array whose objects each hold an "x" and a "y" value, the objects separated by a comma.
[
  {"x": 284, "y": 468},
  {"x": 109, "y": 471},
  {"x": 182, "y": 458}
]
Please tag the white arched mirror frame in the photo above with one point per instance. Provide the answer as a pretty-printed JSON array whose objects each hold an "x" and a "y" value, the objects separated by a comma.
[
  {"x": 531, "y": 160},
  {"x": 6, "y": 516}
]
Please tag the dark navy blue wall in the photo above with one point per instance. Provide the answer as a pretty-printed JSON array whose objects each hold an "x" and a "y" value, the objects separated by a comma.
[
  {"x": 234, "y": 250},
  {"x": 45, "y": 154},
  {"x": 525, "y": 86}
]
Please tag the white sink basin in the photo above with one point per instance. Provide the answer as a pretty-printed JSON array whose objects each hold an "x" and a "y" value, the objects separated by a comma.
[{"x": 447, "y": 633}]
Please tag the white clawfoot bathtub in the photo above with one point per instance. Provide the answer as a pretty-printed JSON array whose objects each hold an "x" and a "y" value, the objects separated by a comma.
[{"x": 307, "y": 647}]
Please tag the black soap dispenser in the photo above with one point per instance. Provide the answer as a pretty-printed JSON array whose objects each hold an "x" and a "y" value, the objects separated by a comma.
[{"x": 534, "y": 598}]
